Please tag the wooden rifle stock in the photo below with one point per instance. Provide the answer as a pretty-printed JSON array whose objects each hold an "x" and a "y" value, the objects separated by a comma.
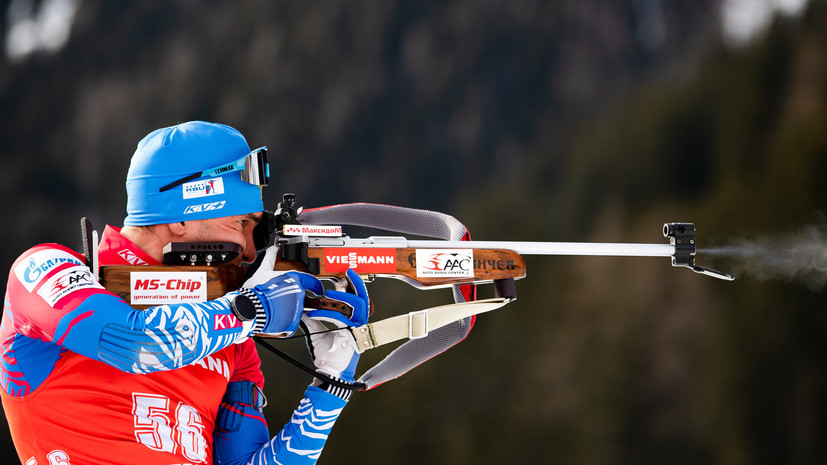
[
  {"x": 489, "y": 265},
  {"x": 118, "y": 279}
]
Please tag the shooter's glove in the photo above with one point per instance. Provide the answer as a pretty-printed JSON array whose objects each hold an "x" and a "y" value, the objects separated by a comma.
[
  {"x": 278, "y": 296},
  {"x": 262, "y": 268},
  {"x": 334, "y": 352}
]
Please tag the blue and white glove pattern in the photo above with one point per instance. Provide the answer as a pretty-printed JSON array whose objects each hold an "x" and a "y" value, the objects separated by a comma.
[
  {"x": 334, "y": 352},
  {"x": 278, "y": 296},
  {"x": 358, "y": 300}
]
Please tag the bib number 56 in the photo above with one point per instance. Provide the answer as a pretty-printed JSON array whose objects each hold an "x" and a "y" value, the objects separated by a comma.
[{"x": 167, "y": 428}]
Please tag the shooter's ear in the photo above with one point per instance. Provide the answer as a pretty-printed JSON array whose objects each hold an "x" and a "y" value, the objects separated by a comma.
[{"x": 178, "y": 228}]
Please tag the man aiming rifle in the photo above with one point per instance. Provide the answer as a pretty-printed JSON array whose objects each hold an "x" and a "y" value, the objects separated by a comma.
[{"x": 86, "y": 378}]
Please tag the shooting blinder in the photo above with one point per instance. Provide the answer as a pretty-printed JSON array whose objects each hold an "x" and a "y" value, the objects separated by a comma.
[{"x": 264, "y": 230}]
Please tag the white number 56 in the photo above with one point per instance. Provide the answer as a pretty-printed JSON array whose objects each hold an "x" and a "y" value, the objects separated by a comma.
[{"x": 156, "y": 429}]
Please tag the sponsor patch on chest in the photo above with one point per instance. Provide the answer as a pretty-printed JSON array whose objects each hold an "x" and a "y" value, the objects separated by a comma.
[
  {"x": 37, "y": 266},
  {"x": 65, "y": 282}
]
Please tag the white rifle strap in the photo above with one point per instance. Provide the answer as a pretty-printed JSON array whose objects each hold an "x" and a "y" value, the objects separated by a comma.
[{"x": 416, "y": 325}]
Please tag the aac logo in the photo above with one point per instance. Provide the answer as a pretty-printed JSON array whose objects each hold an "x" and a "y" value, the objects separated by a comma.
[
  {"x": 444, "y": 262},
  {"x": 65, "y": 282},
  {"x": 448, "y": 262},
  {"x": 71, "y": 278}
]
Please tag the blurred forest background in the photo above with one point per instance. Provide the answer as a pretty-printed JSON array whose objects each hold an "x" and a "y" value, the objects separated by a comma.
[{"x": 577, "y": 120}]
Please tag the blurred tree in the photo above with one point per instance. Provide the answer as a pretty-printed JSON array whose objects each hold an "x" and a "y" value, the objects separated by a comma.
[{"x": 578, "y": 120}]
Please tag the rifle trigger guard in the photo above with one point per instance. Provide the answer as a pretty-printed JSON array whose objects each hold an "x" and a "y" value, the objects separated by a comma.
[{"x": 323, "y": 303}]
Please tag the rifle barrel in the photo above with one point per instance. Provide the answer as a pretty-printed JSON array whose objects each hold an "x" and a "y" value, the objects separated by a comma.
[{"x": 556, "y": 248}]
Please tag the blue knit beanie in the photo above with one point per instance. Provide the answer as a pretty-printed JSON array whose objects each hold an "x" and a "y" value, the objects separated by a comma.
[{"x": 169, "y": 154}]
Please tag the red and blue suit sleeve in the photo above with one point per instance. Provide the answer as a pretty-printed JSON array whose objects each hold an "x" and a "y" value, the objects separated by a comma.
[
  {"x": 300, "y": 442},
  {"x": 53, "y": 299},
  {"x": 240, "y": 427},
  {"x": 241, "y": 434}
]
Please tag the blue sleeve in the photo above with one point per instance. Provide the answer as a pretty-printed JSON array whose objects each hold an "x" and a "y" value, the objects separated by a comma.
[
  {"x": 54, "y": 298},
  {"x": 165, "y": 337},
  {"x": 300, "y": 442}
]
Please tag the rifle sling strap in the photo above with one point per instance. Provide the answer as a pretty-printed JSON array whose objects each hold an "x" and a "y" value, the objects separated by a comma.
[{"x": 416, "y": 325}]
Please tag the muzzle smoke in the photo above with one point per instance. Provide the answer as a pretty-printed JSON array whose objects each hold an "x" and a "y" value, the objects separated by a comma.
[{"x": 800, "y": 256}]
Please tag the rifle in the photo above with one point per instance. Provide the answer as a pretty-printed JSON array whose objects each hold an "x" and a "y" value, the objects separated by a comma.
[
  {"x": 194, "y": 272},
  {"x": 197, "y": 272}
]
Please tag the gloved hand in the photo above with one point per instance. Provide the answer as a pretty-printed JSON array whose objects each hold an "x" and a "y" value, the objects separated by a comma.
[
  {"x": 281, "y": 295},
  {"x": 263, "y": 268},
  {"x": 334, "y": 352}
]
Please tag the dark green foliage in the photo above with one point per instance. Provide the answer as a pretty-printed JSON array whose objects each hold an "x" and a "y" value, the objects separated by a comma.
[{"x": 560, "y": 121}]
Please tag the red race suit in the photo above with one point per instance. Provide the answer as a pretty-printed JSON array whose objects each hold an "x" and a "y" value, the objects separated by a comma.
[{"x": 88, "y": 379}]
